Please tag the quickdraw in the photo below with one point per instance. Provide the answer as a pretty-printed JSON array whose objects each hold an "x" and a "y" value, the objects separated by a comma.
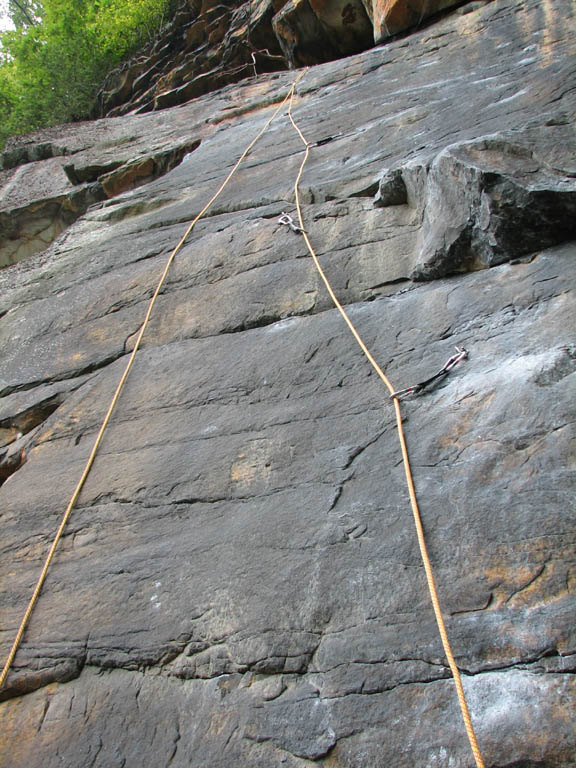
[
  {"x": 462, "y": 354},
  {"x": 286, "y": 219}
]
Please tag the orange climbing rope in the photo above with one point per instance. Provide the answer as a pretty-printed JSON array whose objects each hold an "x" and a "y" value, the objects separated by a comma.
[
  {"x": 120, "y": 387},
  {"x": 414, "y": 503},
  {"x": 406, "y": 461}
]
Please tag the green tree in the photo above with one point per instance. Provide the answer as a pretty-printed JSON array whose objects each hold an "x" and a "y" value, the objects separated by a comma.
[
  {"x": 25, "y": 13},
  {"x": 53, "y": 63}
]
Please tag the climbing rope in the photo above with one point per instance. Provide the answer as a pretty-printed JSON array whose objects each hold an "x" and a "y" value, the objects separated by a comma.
[
  {"x": 121, "y": 383},
  {"x": 406, "y": 461},
  {"x": 409, "y": 479}
]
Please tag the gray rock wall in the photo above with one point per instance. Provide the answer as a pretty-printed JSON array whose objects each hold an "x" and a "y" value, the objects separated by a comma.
[{"x": 240, "y": 583}]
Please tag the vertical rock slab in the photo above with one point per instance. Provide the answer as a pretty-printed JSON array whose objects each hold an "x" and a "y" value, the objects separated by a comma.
[{"x": 240, "y": 582}]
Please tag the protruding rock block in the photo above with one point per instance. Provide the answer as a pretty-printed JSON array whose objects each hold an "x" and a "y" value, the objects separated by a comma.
[
  {"x": 489, "y": 201},
  {"x": 389, "y": 17}
]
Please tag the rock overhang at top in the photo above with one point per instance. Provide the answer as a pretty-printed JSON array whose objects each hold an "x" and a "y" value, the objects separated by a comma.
[
  {"x": 209, "y": 45},
  {"x": 312, "y": 31}
]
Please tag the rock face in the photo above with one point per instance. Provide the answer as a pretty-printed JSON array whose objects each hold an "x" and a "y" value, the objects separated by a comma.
[
  {"x": 240, "y": 583},
  {"x": 209, "y": 45},
  {"x": 390, "y": 17},
  {"x": 206, "y": 46}
]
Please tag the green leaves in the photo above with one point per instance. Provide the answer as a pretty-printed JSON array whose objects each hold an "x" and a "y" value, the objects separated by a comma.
[
  {"x": 121, "y": 25},
  {"x": 53, "y": 63},
  {"x": 25, "y": 13}
]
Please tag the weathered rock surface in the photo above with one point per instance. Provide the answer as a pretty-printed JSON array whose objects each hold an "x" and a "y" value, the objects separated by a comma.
[
  {"x": 206, "y": 46},
  {"x": 209, "y": 45},
  {"x": 486, "y": 201},
  {"x": 39, "y": 200},
  {"x": 240, "y": 583},
  {"x": 390, "y": 17}
]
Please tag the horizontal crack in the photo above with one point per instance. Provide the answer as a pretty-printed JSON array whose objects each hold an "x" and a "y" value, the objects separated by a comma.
[{"x": 90, "y": 368}]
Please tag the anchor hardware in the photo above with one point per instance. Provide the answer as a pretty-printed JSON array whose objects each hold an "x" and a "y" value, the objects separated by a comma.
[
  {"x": 462, "y": 354},
  {"x": 286, "y": 219}
]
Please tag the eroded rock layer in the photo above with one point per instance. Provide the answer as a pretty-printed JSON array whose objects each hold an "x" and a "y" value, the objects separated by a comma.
[
  {"x": 240, "y": 583},
  {"x": 208, "y": 44}
]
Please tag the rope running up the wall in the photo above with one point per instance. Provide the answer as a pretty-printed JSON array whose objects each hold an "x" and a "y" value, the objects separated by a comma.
[
  {"x": 406, "y": 461},
  {"x": 417, "y": 520},
  {"x": 120, "y": 387}
]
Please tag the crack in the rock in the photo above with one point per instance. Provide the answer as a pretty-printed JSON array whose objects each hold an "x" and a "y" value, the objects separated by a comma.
[
  {"x": 527, "y": 584},
  {"x": 11, "y": 463},
  {"x": 27, "y": 420},
  {"x": 43, "y": 715},
  {"x": 357, "y": 452},
  {"x": 177, "y": 737},
  {"x": 65, "y": 376},
  {"x": 466, "y": 611},
  {"x": 160, "y": 667}
]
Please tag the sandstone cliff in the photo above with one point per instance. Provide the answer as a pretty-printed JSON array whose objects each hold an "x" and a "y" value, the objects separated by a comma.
[
  {"x": 210, "y": 44},
  {"x": 240, "y": 583}
]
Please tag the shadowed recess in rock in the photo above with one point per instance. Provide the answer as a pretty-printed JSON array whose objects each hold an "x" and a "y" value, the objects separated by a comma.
[
  {"x": 15, "y": 437},
  {"x": 29, "y": 229}
]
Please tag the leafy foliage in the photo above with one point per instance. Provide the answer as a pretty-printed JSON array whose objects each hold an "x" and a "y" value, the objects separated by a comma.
[
  {"x": 52, "y": 64},
  {"x": 24, "y": 13}
]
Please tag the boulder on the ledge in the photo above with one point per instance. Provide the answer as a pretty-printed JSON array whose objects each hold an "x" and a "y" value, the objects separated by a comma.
[
  {"x": 389, "y": 17},
  {"x": 490, "y": 200}
]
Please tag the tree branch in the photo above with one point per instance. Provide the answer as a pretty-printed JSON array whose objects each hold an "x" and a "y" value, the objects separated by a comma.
[{"x": 25, "y": 13}]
